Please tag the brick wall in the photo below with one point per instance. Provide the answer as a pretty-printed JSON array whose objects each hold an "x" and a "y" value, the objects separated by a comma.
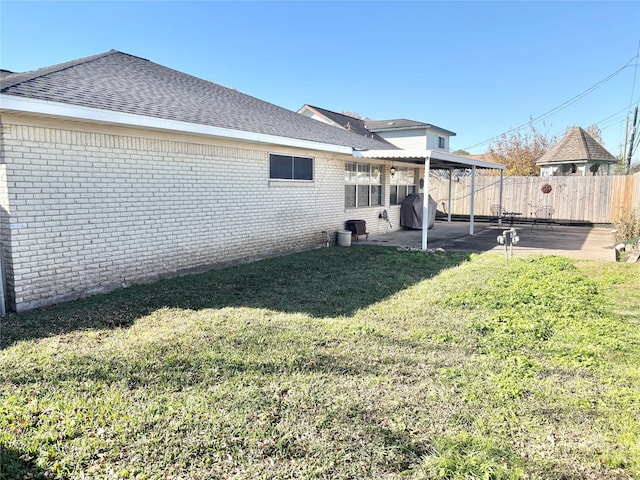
[{"x": 89, "y": 208}]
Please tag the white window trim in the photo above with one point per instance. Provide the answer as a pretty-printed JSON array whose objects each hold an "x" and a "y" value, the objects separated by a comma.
[
  {"x": 393, "y": 184},
  {"x": 370, "y": 184}
]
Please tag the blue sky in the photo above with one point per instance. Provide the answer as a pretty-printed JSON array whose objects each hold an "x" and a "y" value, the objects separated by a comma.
[{"x": 476, "y": 68}]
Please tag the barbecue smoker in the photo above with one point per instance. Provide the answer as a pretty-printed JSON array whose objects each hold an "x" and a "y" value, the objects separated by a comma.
[{"x": 411, "y": 211}]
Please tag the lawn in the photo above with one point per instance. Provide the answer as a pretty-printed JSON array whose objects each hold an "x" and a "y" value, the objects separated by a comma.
[{"x": 359, "y": 362}]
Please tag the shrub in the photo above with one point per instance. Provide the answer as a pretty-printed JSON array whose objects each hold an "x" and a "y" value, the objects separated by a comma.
[{"x": 628, "y": 225}]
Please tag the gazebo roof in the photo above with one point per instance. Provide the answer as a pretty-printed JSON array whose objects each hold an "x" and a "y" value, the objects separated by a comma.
[{"x": 576, "y": 147}]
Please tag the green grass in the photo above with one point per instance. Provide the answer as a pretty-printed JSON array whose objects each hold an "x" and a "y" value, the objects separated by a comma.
[{"x": 362, "y": 362}]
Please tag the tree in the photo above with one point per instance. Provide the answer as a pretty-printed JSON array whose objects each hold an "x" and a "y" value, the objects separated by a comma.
[
  {"x": 356, "y": 115},
  {"x": 351, "y": 114},
  {"x": 520, "y": 151},
  {"x": 620, "y": 168},
  {"x": 461, "y": 152}
]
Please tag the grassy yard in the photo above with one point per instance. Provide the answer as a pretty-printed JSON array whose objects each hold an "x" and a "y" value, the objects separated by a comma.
[{"x": 360, "y": 362}]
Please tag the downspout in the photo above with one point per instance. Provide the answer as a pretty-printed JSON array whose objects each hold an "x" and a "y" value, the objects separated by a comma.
[{"x": 425, "y": 202}]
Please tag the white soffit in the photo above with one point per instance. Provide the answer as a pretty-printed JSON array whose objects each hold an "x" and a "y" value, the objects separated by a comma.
[
  {"x": 96, "y": 115},
  {"x": 438, "y": 159}
]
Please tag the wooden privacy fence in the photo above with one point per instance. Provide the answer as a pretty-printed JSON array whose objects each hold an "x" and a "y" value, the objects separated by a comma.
[{"x": 593, "y": 199}]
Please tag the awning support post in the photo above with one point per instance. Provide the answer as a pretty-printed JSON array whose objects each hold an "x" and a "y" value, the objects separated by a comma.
[
  {"x": 500, "y": 200},
  {"x": 473, "y": 198},
  {"x": 425, "y": 202},
  {"x": 449, "y": 199}
]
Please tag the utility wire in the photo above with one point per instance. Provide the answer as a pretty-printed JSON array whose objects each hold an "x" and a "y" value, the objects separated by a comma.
[
  {"x": 559, "y": 107},
  {"x": 635, "y": 72},
  {"x": 602, "y": 124},
  {"x": 619, "y": 111}
]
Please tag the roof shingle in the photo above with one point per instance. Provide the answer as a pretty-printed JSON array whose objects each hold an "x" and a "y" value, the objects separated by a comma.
[
  {"x": 400, "y": 123},
  {"x": 120, "y": 82},
  {"x": 576, "y": 146},
  {"x": 353, "y": 124}
]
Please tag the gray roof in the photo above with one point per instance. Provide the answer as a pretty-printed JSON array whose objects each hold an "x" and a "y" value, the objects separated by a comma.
[
  {"x": 356, "y": 125},
  {"x": 401, "y": 123},
  {"x": 576, "y": 146},
  {"x": 120, "y": 82}
]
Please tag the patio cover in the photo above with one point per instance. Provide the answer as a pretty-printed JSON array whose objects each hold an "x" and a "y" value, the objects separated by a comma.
[{"x": 437, "y": 160}]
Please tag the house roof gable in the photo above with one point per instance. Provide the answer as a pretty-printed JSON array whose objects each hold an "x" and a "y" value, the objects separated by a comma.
[
  {"x": 119, "y": 82},
  {"x": 356, "y": 125},
  {"x": 371, "y": 127},
  {"x": 402, "y": 124},
  {"x": 576, "y": 146}
]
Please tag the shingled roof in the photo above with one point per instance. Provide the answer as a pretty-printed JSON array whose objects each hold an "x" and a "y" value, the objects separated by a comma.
[
  {"x": 401, "y": 123},
  {"x": 576, "y": 146},
  {"x": 356, "y": 125},
  {"x": 124, "y": 83}
]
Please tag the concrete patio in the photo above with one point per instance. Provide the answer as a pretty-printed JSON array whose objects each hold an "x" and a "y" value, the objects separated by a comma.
[{"x": 595, "y": 243}]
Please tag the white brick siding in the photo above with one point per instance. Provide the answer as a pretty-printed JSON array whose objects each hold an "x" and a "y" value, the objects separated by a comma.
[{"x": 89, "y": 208}]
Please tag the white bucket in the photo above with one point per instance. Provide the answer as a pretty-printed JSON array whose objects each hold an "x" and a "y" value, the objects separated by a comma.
[{"x": 344, "y": 238}]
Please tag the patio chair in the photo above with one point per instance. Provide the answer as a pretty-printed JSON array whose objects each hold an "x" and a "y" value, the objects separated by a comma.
[
  {"x": 543, "y": 215},
  {"x": 497, "y": 212}
]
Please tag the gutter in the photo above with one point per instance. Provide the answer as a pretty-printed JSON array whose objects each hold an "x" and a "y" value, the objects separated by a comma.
[{"x": 12, "y": 103}]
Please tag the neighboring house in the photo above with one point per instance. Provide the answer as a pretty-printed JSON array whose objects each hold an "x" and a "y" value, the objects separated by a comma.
[
  {"x": 115, "y": 170},
  {"x": 353, "y": 124},
  {"x": 404, "y": 134},
  {"x": 409, "y": 134},
  {"x": 578, "y": 153}
]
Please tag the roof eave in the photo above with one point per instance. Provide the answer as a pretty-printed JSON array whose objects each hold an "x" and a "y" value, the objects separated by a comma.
[
  {"x": 12, "y": 103},
  {"x": 413, "y": 127},
  {"x": 315, "y": 110},
  {"x": 582, "y": 160}
]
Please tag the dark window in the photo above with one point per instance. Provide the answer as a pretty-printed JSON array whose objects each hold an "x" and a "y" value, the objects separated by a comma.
[
  {"x": 288, "y": 167},
  {"x": 393, "y": 195},
  {"x": 302, "y": 168},
  {"x": 281, "y": 166},
  {"x": 363, "y": 195},
  {"x": 441, "y": 142},
  {"x": 350, "y": 196}
]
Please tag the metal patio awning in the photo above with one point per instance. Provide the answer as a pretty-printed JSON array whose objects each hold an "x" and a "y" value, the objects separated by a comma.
[{"x": 436, "y": 160}]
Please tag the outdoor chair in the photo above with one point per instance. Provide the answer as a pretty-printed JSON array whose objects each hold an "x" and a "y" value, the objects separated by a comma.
[
  {"x": 498, "y": 212},
  {"x": 543, "y": 215}
]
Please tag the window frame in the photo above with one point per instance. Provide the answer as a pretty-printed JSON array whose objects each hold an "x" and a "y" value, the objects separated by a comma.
[
  {"x": 292, "y": 174},
  {"x": 442, "y": 143},
  {"x": 359, "y": 180},
  {"x": 400, "y": 186}
]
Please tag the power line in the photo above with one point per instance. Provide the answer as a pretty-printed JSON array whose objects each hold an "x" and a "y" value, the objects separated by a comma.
[
  {"x": 619, "y": 111},
  {"x": 561, "y": 106},
  {"x": 635, "y": 72}
]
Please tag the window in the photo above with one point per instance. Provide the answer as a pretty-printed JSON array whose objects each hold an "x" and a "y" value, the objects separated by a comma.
[
  {"x": 403, "y": 183},
  {"x": 441, "y": 143},
  {"x": 363, "y": 185},
  {"x": 288, "y": 167}
]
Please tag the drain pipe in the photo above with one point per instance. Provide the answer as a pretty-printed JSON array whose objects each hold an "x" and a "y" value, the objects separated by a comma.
[
  {"x": 327, "y": 237},
  {"x": 3, "y": 309}
]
